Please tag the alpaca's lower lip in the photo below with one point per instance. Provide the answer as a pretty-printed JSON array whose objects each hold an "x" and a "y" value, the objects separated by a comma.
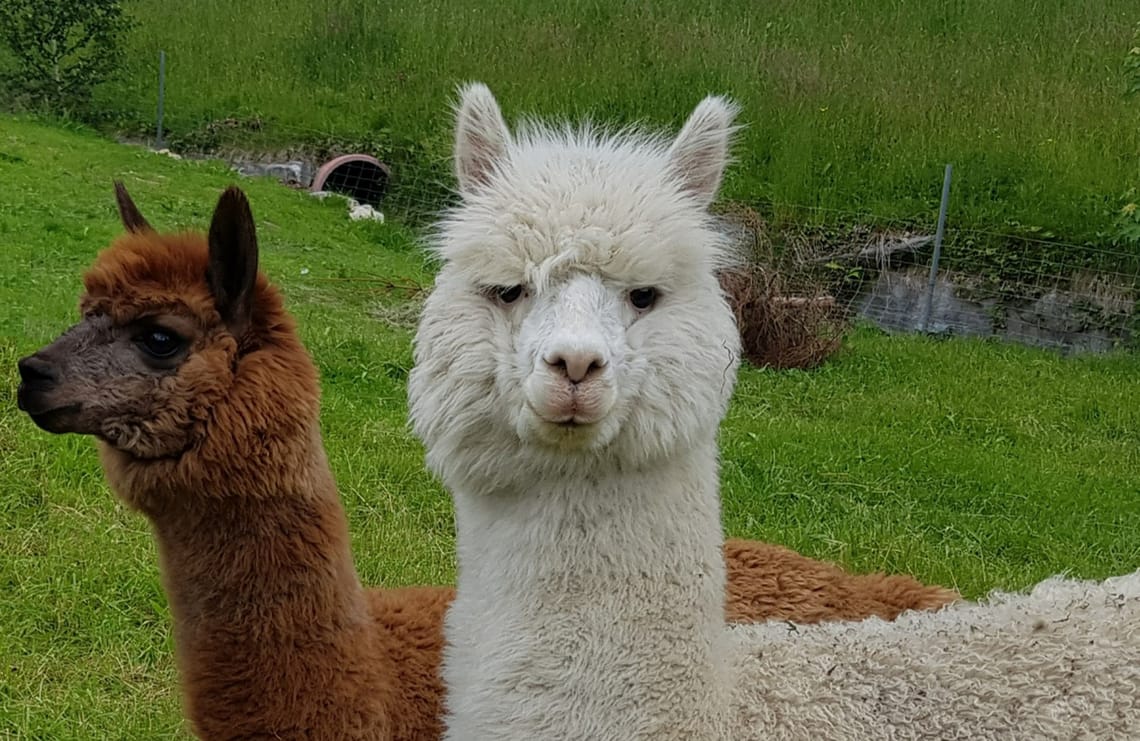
[
  {"x": 52, "y": 420},
  {"x": 567, "y": 422},
  {"x": 570, "y": 430},
  {"x": 31, "y": 401}
]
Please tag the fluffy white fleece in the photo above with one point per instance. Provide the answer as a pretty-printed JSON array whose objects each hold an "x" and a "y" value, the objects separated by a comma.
[{"x": 1061, "y": 662}]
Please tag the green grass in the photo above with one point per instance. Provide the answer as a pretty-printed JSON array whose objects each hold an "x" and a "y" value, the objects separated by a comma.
[
  {"x": 853, "y": 106},
  {"x": 966, "y": 463}
]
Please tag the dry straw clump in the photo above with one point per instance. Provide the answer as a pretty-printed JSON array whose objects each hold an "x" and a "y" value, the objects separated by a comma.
[
  {"x": 787, "y": 318},
  {"x": 779, "y": 331}
]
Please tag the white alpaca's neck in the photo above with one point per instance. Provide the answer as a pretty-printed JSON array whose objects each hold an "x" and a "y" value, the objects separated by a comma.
[{"x": 591, "y": 606}]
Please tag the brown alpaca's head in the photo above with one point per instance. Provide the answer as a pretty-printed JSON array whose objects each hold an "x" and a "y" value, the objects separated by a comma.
[{"x": 183, "y": 349}]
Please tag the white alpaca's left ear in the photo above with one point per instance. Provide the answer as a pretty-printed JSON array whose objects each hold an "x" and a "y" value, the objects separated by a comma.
[
  {"x": 481, "y": 136},
  {"x": 700, "y": 152}
]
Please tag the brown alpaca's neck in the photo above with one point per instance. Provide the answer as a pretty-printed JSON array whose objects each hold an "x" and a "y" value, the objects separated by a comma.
[
  {"x": 280, "y": 567},
  {"x": 267, "y": 607}
]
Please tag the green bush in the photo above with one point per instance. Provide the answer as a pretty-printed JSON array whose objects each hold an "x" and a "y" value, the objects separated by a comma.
[
  {"x": 1127, "y": 220},
  {"x": 60, "y": 49},
  {"x": 1132, "y": 65}
]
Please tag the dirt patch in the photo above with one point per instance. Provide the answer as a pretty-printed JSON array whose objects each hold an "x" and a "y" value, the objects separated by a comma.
[{"x": 401, "y": 315}]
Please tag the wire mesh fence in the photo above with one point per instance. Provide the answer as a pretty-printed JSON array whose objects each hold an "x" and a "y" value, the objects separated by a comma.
[
  {"x": 812, "y": 271},
  {"x": 1047, "y": 293}
]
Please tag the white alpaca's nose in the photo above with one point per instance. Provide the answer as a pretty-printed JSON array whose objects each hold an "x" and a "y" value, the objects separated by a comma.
[{"x": 576, "y": 365}]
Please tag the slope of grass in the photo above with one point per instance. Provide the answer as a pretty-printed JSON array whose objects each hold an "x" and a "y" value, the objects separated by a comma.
[
  {"x": 852, "y": 106},
  {"x": 967, "y": 463},
  {"x": 971, "y": 462}
]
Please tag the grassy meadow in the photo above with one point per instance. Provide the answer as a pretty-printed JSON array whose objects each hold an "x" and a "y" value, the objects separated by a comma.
[
  {"x": 967, "y": 463},
  {"x": 852, "y": 108}
]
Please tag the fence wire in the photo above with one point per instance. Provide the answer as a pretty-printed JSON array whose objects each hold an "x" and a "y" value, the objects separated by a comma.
[
  {"x": 1049, "y": 293},
  {"x": 1018, "y": 287}
]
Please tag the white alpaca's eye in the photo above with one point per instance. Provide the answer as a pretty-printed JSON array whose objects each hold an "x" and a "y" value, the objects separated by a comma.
[
  {"x": 507, "y": 294},
  {"x": 643, "y": 298}
]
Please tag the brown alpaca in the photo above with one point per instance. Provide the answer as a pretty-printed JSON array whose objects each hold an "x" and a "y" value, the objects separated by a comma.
[
  {"x": 770, "y": 582},
  {"x": 190, "y": 373}
]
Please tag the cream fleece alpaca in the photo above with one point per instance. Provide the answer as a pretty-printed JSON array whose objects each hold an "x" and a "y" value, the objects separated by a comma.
[
  {"x": 1062, "y": 662},
  {"x": 572, "y": 367}
]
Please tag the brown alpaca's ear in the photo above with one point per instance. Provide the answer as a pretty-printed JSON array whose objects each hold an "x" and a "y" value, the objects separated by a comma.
[
  {"x": 232, "y": 273},
  {"x": 129, "y": 213}
]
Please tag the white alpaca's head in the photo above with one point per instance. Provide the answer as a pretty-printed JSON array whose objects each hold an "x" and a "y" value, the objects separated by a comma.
[{"x": 577, "y": 323}]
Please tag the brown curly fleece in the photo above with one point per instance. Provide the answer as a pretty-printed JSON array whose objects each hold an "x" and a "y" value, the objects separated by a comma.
[
  {"x": 275, "y": 637},
  {"x": 770, "y": 582}
]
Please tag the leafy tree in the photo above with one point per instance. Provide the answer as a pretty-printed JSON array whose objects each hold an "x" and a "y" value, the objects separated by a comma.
[{"x": 62, "y": 49}]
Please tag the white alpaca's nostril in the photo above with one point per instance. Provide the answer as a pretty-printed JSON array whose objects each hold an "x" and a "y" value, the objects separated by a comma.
[{"x": 576, "y": 366}]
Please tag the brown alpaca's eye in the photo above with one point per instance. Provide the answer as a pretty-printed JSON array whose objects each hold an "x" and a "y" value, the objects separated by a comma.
[
  {"x": 508, "y": 294},
  {"x": 160, "y": 343},
  {"x": 643, "y": 298}
]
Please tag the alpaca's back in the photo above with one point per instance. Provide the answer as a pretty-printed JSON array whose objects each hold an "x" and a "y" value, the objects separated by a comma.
[
  {"x": 770, "y": 582},
  {"x": 410, "y": 619},
  {"x": 1061, "y": 662}
]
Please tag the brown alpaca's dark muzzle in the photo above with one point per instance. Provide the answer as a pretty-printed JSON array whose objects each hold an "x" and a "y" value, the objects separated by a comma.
[{"x": 38, "y": 392}]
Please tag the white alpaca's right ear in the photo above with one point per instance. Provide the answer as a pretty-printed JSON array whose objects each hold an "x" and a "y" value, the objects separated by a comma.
[
  {"x": 481, "y": 136},
  {"x": 699, "y": 154}
]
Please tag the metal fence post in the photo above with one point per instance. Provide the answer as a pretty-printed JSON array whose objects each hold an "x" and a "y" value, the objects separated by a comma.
[
  {"x": 937, "y": 248},
  {"x": 158, "y": 143}
]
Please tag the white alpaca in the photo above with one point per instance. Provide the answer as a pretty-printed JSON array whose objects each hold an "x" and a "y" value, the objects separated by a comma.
[{"x": 572, "y": 368}]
